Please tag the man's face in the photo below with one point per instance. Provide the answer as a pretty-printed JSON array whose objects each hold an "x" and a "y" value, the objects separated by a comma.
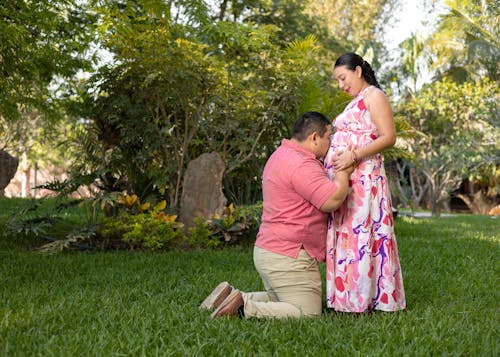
[{"x": 323, "y": 143}]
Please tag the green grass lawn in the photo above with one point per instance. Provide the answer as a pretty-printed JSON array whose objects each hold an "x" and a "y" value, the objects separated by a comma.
[{"x": 146, "y": 304}]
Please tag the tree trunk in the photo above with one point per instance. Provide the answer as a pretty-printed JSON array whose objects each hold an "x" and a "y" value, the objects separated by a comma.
[
  {"x": 434, "y": 208},
  {"x": 35, "y": 179},
  {"x": 434, "y": 202},
  {"x": 480, "y": 203},
  {"x": 26, "y": 179},
  {"x": 447, "y": 205},
  {"x": 223, "y": 7}
]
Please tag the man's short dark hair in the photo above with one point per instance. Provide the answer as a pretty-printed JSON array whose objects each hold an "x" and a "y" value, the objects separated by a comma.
[{"x": 309, "y": 123}]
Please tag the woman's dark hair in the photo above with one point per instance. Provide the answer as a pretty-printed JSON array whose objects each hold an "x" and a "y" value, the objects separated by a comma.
[
  {"x": 352, "y": 60},
  {"x": 309, "y": 123}
]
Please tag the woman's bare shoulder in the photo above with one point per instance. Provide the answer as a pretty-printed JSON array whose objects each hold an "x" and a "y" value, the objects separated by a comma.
[{"x": 375, "y": 96}]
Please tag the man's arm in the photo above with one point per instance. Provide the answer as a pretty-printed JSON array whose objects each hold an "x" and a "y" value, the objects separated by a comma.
[{"x": 338, "y": 196}]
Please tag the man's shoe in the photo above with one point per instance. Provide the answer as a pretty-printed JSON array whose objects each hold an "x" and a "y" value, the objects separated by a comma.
[
  {"x": 217, "y": 296},
  {"x": 229, "y": 306}
]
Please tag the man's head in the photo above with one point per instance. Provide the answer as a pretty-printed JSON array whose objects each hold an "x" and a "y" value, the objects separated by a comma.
[{"x": 312, "y": 131}]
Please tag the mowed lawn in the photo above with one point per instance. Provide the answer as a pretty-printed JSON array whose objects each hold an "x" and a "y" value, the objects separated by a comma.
[{"x": 146, "y": 304}]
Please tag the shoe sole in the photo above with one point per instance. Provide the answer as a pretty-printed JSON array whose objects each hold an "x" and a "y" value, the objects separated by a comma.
[
  {"x": 217, "y": 296},
  {"x": 235, "y": 294}
]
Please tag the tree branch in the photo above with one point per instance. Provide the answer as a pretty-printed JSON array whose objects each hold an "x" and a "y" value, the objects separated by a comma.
[{"x": 249, "y": 155}]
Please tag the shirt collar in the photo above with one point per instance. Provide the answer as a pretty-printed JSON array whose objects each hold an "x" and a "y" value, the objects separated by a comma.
[{"x": 293, "y": 145}]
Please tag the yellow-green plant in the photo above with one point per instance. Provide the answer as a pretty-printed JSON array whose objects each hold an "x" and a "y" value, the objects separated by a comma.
[
  {"x": 141, "y": 226},
  {"x": 200, "y": 235},
  {"x": 132, "y": 204},
  {"x": 228, "y": 226}
]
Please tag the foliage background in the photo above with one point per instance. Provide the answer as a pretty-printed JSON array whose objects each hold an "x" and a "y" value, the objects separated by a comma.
[{"x": 124, "y": 94}]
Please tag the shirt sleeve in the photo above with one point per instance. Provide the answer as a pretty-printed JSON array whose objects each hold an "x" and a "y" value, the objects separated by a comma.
[{"x": 311, "y": 182}]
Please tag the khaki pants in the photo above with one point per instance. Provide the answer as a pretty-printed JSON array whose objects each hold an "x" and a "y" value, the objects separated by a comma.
[{"x": 293, "y": 286}]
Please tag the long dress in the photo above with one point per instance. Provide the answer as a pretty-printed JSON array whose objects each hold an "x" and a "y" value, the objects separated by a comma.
[{"x": 362, "y": 264}]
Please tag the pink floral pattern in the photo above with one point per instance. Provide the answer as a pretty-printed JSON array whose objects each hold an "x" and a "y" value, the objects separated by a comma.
[{"x": 362, "y": 264}]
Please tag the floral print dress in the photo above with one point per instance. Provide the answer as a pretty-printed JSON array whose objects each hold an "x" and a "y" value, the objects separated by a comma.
[{"x": 362, "y": 264}]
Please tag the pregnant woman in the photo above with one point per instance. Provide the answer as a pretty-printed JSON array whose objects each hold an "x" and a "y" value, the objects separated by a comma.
[{"x": 362, "y": 263}]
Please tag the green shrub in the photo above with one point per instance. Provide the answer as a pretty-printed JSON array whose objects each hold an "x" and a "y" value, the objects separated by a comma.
[
  {"x": 142, "y": 227},
  {"x": 63, "y": 224},
  {"x": 200, "y": 236},
  {"x": 152, "y": 233},
  {"x": 251, "y": 214},
  {"x": 153, "y": 229},
  {"x": 27, "y": 221}
]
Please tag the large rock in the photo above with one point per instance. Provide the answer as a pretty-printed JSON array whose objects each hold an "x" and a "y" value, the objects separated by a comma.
[
  {"x": 8, "y": 168},
  {"x": 202, "y": 194}
]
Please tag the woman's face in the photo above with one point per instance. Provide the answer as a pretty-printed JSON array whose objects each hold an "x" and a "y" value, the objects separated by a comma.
[{"x": 349, "y": 81}]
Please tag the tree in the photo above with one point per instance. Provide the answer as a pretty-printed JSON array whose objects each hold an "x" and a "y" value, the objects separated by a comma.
[
  {"x": 178, "y": 91},
  {"x": 39, "y": 40},
  {"x": 353, "y": 26},
  {"x": 42, "y": 44},
  {"x": 415, "y": 59},
  {"x": 466, "y": 43},
  {"x": 456, "y": 134}
]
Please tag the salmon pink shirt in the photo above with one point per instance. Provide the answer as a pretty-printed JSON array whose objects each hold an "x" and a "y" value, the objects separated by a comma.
[{"x": 294, "y": 187}]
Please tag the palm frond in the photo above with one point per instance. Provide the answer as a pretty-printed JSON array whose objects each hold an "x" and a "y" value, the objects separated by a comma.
[{"x": 304, "y": 45}]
